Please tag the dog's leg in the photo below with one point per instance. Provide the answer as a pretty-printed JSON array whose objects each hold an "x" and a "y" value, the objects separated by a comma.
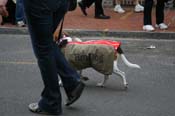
[
  {"x": 120, "y": 73},
  {"x": 102, "y": 84},
  {"x": 83, "y": 78}
]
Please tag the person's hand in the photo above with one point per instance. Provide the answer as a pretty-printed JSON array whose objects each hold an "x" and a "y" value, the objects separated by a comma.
[
  {"x": 55, "y": 35},
  {"x": 3, "y": 10}
]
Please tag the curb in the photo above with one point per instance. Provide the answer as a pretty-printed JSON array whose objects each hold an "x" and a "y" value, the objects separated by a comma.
[{"x": 97, "y": 33}]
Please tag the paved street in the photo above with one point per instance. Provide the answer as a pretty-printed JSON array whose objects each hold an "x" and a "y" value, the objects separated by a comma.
[{"x": 150, "y": 92}]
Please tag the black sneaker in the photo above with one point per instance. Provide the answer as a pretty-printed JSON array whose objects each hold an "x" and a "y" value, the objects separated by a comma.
[
  {"x": 102, "y": 16},
  {"x": 75, "y": 94},
  {"x": 34, "y": 107}
]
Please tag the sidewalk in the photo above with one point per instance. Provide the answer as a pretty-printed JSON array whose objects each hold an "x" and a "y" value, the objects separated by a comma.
[{"x": 127, "y": 22}]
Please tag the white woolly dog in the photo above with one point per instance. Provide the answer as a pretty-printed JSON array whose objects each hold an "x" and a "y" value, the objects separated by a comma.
[{"x": 119, "y": 54}]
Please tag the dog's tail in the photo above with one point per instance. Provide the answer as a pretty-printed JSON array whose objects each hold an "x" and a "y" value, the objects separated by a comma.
[
  {"x": 124, "y": 59},
  {"x": 129, "y": 64}
]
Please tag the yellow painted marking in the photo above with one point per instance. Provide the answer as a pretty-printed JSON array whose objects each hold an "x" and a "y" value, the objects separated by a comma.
[
  {"x": 126, "y": 15},
  {"x": 18, "y": 62}
]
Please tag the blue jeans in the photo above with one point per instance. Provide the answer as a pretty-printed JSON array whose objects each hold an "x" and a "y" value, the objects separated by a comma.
[
  {"x": 19, "y": 13},
  {"x": 43, "y": 17}
]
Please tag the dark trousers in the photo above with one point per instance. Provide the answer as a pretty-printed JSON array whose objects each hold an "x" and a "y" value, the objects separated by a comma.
[
  {"x": 98, "y": 6},
  {"x": 148, "y": 11},
  {"x": 43, "y": 16},
  {"x": 19, "y": 13}
]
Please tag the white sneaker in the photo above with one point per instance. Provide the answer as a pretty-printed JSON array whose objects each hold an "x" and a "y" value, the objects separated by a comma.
[
  {"x": 119, "y": 9},
  {"x": 139, "y": 8},
  {"x": 21, "y": 24},
  {"x": 161, "y": 26},
  {"x": 148, "y": 28}
]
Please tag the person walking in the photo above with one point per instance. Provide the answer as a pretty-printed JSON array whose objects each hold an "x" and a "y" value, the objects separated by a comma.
[
  {"x": 99, "y": 12},
  {"x": 19, "y": 14},
  {"x": 147, "y": 19},
  {"x": 43, "y": 17},
  {"x": 119, "y": 9}
]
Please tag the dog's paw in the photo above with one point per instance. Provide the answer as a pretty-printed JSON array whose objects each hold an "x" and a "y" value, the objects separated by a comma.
[
  {"x": 100, "y": 85},
  {"x": 126, "y": 86}
]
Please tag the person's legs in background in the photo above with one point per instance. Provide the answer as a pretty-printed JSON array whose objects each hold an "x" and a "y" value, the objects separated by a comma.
[
  {"x": 147, "y": 19},
  {"x": 119, "y": 9},
  {"x": 138, "y": 7},
  {"x": 19, "y": 14},
  {"x": 83, "y": 4},
  {"x": 160, "y": 14},
  {"x": 99, "y": 13}
]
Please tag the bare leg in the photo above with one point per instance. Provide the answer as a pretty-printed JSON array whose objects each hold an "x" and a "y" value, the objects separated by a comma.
[
  {"x": 136, "y": 2},
  {"x": 117, "y": 1},
  {"x": 1, "y": 20}
]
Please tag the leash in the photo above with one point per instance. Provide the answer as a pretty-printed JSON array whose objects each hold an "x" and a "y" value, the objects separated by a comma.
[
  {"x": 61, "y": 43},
  {"x": 61, "y": 28}
]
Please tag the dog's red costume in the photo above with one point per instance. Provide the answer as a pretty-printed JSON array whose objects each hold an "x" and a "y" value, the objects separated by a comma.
[{"x": 103, "y": 42}]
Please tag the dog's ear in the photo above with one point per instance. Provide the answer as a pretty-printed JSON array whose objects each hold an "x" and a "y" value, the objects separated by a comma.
[
  {"x": 65, "y": 34},
  {"x": 55, "y": 35}
]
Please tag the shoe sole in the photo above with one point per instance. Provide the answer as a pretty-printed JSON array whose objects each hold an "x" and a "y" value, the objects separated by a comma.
[
  {"x": 160, "y": 28},
  {"x": 39, "y": 111},
  {"x": 148, "y": 30},
  {"x": 77, "y": 96},
  {"x": 46, "y": 113}
]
